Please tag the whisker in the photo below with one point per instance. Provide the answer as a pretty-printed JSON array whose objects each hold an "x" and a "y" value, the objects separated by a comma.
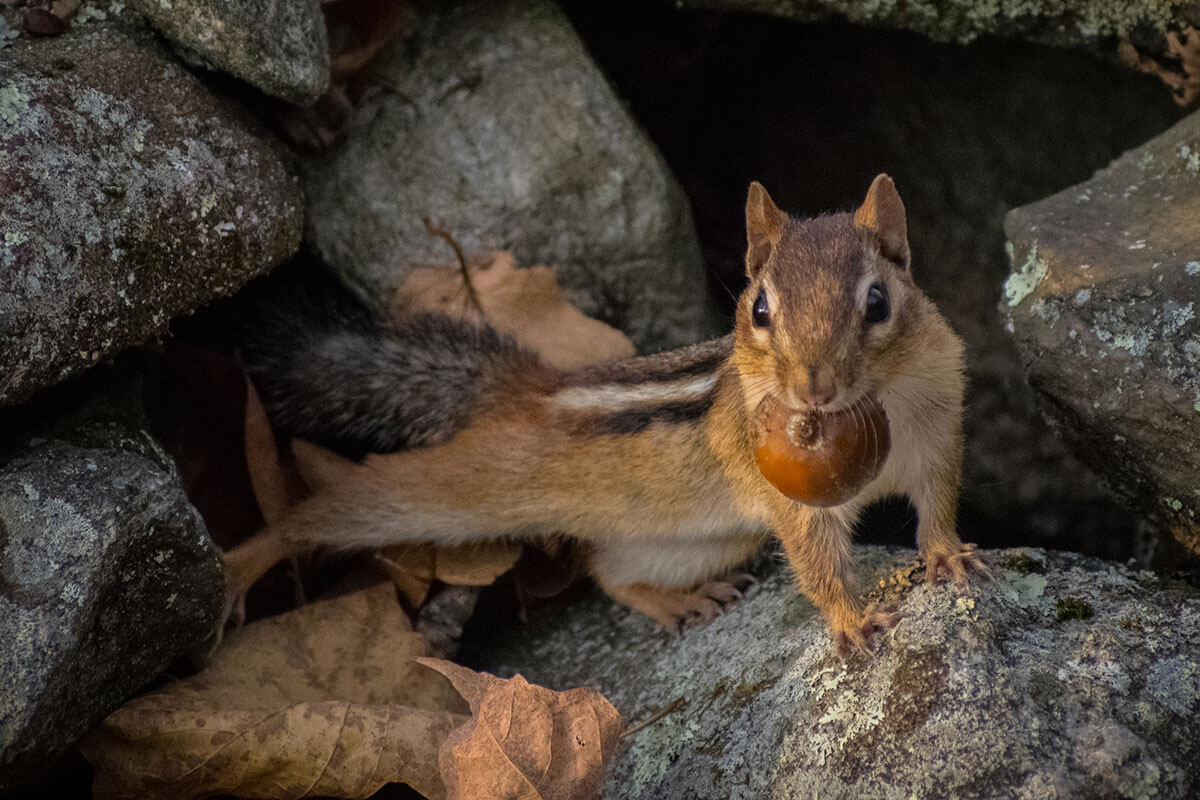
[{"x": 874, "y": 437}]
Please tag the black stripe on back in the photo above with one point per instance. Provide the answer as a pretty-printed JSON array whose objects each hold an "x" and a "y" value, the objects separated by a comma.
[{"x": 636, "y": 420}]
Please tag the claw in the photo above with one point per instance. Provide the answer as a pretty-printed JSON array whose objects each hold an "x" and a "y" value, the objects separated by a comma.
[
  {"x": 958, "y": 566},
  {"x": 721, "y": 592},
  {"x": 742, "y": 581},
  {"x": 877, "y": 618}
]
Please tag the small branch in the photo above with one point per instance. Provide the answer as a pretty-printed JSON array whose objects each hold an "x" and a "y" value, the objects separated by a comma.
[
  {"x": 462, "y": 262},
  {"x": 677, "y": 704}
]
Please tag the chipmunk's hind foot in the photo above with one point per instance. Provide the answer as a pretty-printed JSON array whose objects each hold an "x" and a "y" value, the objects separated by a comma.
[{"x": 674, "y": 608}]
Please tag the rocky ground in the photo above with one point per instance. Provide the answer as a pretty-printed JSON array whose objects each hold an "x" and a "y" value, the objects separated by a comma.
[
  {"x": 1063, "y": 677},
  {"x": 150, "y": 167}
]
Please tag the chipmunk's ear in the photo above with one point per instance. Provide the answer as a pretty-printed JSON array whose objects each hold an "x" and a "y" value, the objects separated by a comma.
[
  {"x": 764, "y": 227},
  {"x": 883, "y": 214}
]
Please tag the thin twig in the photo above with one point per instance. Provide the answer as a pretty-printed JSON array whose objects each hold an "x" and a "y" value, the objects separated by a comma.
[
  {"x": 462, "y": 262},
  {"x": 677, "y": 704}
]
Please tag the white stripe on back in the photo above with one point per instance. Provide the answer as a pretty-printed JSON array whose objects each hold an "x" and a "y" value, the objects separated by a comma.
[{"x": 617, "y": 397}]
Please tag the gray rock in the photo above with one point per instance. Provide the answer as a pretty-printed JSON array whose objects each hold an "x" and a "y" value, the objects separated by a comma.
[
  {"x": 129, "y": 193},
  {"x": 1102, "y": 305},
  {"x": 1058, "y": 22},
  {"x": 497, "y": 126},
  {"x": 1065, "y": 677},
  {"x": 107, "y": 574},
  {"x": 281, "y": 48}
]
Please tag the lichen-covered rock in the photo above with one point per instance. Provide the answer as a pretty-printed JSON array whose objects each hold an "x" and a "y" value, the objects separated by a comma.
[
  {"x": 1102, "y": 305},
  {"x": 1060, "y": 22},
  {"x": 497, "y": 127},
  {"x": 281, "y": 48},
  {"x": 128, "y": 193},
  {"x": 1063, "y": 677},
  {"x": 107, "y": 574}
]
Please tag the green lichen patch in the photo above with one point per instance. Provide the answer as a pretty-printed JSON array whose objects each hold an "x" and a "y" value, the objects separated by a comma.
[
  {"x": 13, "y": 102},
  {"x": 1023, "y": 563},
  {"x": 1066, "y": 608},
  {"x": 1026, "y": 591}
]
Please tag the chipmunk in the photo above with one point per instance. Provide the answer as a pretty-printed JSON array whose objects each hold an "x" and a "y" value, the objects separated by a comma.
[{"x": 649, "y": 461}]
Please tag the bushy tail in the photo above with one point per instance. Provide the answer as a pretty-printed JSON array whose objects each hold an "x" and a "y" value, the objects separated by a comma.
[{"x": 332, "y": 371}]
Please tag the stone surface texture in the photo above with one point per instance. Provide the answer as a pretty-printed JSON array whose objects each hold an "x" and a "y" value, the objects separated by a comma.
[
  {"x": 107, "y": 575},
  {"x": 1102, "y": 305},
  {"x": 129, "y": 192},
  {"x": 1064, "y": 677},
  {"x": 1058, "y": 22},
  {"x": 497, "y": 126},
  {"x": 280, "y": 48}
]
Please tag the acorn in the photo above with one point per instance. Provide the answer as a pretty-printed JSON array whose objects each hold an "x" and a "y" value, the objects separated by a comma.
[{"x": 821, "y": 458}]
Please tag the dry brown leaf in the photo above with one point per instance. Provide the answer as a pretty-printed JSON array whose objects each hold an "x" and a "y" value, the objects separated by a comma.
[
  {"x": 320, "y": 468},
  {"x": 1178, "y": 68},
  {"x": 322, "y": 701},
  {"x": 414, "y": 567},
  {"x": 526, "y": 303},
  {"x": 470, "y": 564},
  {"x": 525, "y": 741},
  {"x": 262, "y": 460}
]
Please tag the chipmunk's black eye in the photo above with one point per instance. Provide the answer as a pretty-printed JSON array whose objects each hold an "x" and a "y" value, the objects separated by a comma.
[
  {"x": 762, "y": 314},
  {"x": 878, "y": 308}
]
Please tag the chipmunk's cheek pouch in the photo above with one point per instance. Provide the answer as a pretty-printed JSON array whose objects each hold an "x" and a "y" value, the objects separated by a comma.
[{"x": 820, "y": 459}]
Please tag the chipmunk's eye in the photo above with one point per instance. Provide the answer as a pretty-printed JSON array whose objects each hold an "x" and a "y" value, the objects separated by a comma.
[
  {"x": 762, "y": 314},
  {"x": 878, "y": 308}
]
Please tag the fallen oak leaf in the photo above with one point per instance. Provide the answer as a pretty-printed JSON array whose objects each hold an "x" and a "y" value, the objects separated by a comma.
[
  {"x": 525, "y": 741},
  {"x": 323, "y": 701}
]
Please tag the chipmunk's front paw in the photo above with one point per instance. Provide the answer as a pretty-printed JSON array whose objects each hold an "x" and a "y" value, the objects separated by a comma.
[
  {"x": 856, "y": 637},
  {"x": 957, "y": 565},
  {"x": 673, "y": 608}
]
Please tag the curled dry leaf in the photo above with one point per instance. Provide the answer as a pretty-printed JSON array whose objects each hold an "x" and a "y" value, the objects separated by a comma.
[
  {"x": 525, "y": 741},
  {"x": 322, "y": 701}
]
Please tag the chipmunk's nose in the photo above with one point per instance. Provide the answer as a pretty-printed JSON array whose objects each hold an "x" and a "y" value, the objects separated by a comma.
[
  {"x": 819, "y": 398},
  {"x": 817, "y": 386}
]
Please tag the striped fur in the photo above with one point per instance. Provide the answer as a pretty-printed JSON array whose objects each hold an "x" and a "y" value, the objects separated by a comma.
[
  {"x": 331, "y": 371},
  {"x": 630, "y": 395},
  {"x": 649, "y": 462}
]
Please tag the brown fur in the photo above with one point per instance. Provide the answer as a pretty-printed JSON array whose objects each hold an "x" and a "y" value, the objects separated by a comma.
[{"x": 665, "y": 507}]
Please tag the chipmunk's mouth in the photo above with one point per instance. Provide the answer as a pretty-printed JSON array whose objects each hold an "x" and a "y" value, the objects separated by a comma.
[
  {"x": 821, "y": 457},
  {"x": 859, "y": 403}
]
